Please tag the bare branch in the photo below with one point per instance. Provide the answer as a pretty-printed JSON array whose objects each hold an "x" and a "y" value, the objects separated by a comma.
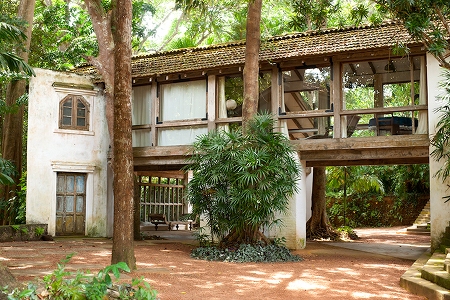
[
  {"x": 204, "y": 37},
  {"x": 141, "y": 44},
  {"x": 443, "y": 20},
  {"x": 181, "y": 18},
  {"x": 265, "y": 27}
]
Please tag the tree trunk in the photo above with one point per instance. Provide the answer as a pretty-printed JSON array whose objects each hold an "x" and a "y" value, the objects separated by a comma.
[
  {"x": 251, "y": 68},
  {"x": 246, "y": 235},
  {"x": 318, "y": 225},
  {"x": 104, "y": 62},
  {"x": 123, "y": 245},
  {"x": 137, "y": 209},
  {"x": 13, "y": 122},
  {"x": 7, "y": 279}
]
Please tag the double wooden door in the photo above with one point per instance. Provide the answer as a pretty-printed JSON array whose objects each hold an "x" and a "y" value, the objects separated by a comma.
[{"x": 70, "y": 203}]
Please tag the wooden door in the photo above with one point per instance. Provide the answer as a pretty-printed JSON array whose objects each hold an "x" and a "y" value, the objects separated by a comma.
[{"x": 70, "y": 203}]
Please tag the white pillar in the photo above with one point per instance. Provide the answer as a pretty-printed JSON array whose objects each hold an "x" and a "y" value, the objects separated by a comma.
[
  {"x": 440, "y": 211},
  {"x": 293, "y": 226}
]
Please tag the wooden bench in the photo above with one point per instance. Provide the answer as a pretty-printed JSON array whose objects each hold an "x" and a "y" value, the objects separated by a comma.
[
  {"x": 158, "y": 219},
  {"x": 176, "y": 223}
]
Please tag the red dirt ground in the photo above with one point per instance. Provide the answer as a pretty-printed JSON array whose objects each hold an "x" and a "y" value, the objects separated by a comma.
[{"x": 327, "y": 272}]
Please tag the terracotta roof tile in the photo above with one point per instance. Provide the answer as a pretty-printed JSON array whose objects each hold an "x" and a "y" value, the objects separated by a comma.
[{"x": 290, "y": 46}]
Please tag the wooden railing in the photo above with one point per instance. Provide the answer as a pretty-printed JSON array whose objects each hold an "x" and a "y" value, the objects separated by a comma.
[{"x": 161, "y": 196}]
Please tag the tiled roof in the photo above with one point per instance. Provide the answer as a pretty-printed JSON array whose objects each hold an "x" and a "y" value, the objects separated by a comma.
[{"x": 310, "y": 43}]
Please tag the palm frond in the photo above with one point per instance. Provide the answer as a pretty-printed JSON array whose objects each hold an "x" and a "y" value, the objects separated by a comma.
[
  {"x": 14, "y": 63},
  {"x": 11, "y": 34}
]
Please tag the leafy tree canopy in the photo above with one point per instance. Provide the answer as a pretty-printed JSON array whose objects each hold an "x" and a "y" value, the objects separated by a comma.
[
  {"x": 425, "y": 20},
  {"x": 11, "y": 39},
  {"x": 63, "y": 34}
]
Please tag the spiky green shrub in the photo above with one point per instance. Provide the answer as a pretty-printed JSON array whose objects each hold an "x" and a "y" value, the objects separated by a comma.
[{"x": 241, "y": 181}]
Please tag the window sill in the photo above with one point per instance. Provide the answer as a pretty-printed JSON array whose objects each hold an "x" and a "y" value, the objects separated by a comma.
[{"x": 69, "y": 131}]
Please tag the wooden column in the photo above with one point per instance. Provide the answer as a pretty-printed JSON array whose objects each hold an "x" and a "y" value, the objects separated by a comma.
[
  {"x": 337, "y": 99},
  {"x": 154, "y": 113},
  {"x": 411, "y": 72},
  {"x": 275, "y": 94},
  {"x": 211, "y": 102},
  {"x": 378, "y": 89}
]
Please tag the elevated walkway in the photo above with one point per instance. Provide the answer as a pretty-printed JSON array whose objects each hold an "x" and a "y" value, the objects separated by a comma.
[{"x": 353, "y": 151}]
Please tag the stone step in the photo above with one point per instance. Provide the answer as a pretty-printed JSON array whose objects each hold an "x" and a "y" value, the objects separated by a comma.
[
  {"x": 415, "y": 229},
  {"x": 443, "y": 248},
  {"x": 421, "y": 221},
  {"x": 421, "y": 229},
  {"x": 434, "y": 271},
  {"x": 426, "y": 214},
  {"x": 414, "y": 283},
  {"x": 447, "y": 261},
  {"x": 421, "y": 226}
]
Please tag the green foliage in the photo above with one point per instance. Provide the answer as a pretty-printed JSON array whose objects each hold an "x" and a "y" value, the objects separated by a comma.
[
  {"x": 7, "y": 169},
  {"x": 279, "y": 241},
  {"x": 311, "y": 14},
  {"x": 204, "y": 240},
  {"x": 357, "y": 180},
  {"x": 424, "y": 20},
  {"x": 10, "y": 34},
  {"x": 28, "y": 293},
  {"x": 66, "y": 285},
  {"x": 372, "y": 210},
  {"x": 16, "y": 205},
  {"x": 441, "y": 138},
  {"x": 38, "y": 231},
  {"x": 406, "y": 184},
  {"x": 180, "y": 43},
  {"x": 347, "y": 232},
  {"x": 242, "y": 181},
  {"x": 63, "y": 33},
  {"x": 247, "y": 253}
]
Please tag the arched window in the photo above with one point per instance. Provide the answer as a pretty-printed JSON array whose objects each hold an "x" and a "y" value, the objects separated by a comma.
[{"x": 74, "y": 113}]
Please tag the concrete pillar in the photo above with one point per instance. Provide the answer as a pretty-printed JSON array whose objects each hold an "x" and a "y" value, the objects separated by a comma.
[
  {"x": 293, "y": 227},
  {"x": 440, "y": 211}
]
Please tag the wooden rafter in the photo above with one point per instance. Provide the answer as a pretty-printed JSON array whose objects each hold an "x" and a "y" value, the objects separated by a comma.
[
  {"x": 372, "y": 67},
  {"x": 300, "y": 77},
  {"x": 352, "y": 66}
]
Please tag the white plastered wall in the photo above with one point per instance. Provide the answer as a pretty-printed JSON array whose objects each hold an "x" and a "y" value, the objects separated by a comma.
[
  {"x": 293, "y": 226},
  {"x": 440, "y": 211},
  {"x": 52, "y": 150}
]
